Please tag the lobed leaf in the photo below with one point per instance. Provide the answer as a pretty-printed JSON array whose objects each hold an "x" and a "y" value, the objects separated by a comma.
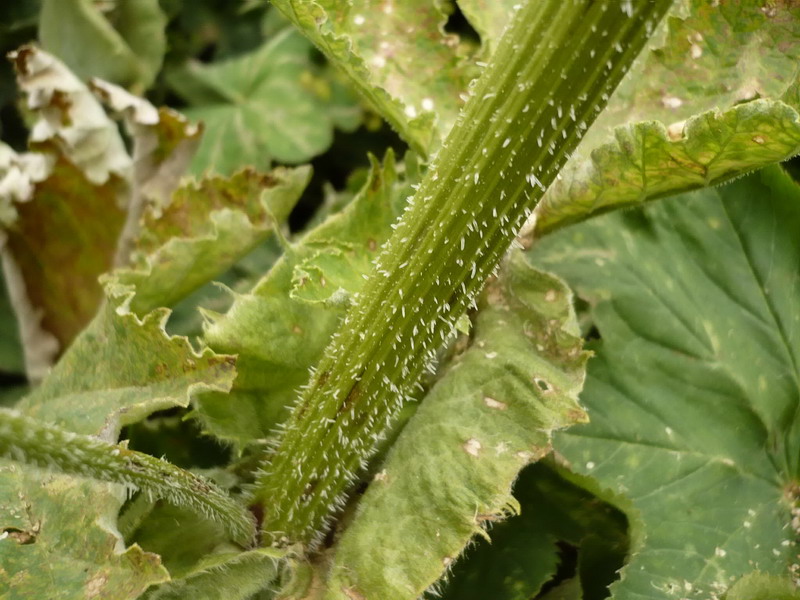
[
  {"x": 259, "y": 107},
  {"x": 708, "y": 55},
  {"x": 694, "y": 394},
  {"x": 121, "y": 369},
  {"x": 450, "y": 472}
]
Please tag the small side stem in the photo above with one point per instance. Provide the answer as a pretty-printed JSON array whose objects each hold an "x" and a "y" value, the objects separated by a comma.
[{"x": 29, "y": 441}]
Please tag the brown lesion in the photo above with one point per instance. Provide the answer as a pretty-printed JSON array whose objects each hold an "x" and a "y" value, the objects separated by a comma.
[
  {"x": 309, "y": 489},
  {"x": 352, "y": 397}
]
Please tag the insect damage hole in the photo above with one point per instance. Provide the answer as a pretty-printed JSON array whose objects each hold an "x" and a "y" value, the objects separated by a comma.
[{"x": 542, "y": 384}]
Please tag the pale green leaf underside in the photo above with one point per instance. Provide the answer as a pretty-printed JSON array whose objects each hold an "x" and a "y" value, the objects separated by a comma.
[
  {"x": 646, "y": 161},
  {"x": 278, "y": 336},
  {"x": 256, "y": 107},
  {"x": 693, "y": 396},
  {"x": 451, "y": 470},
  {"x": 129, "y": 52},
  {"x": 121, "y": 369}
]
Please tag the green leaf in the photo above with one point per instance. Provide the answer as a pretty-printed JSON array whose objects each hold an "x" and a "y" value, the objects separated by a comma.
[
  {"x": 647, "y": 161},
  {"x": 58, "y": 540},
  {"x": 120, "y": 370},
  {"x": 397, "y": 55},
  {"x": 223, "y": 576},
  {"x": 523, "y": 555},
  {"x": 568, "y": 590},
  {"x": 450, "y": 472},
  {"x": 758, "y": 586},
  {"x": 332, "y": 275},
  {"x": 257, "y": 107},
  {"x": 187, "y": 316},
  {"x": 489, "y": 18},
  {"x": 124, "y": 44},
  {"x": 703, "y": 106},
  {"x": 159, "y": 528},
  {"x": 694, "y": 395},
  {"x": 278, "y": 336},
  {"x": 204, "y": 229},
  {"x": 707, "y": 56}
]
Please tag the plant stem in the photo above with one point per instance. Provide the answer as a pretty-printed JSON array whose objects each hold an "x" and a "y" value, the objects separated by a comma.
[
  {"x": 26, "y": 440},
  {"x": 552, "y": 73}
]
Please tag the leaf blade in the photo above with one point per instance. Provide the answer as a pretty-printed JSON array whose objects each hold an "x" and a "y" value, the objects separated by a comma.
[{"x": 702, "y": 423}]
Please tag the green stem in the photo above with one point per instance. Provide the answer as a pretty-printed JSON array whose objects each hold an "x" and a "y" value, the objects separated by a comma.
[
  {"x": 26, "y": 440},
  {"x": 551, "y": 75}
]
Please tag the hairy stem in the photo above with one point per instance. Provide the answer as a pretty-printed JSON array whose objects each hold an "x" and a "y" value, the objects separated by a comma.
[
  {"x": 29, "y": 441},
  {"x": 552, "y": 73}
]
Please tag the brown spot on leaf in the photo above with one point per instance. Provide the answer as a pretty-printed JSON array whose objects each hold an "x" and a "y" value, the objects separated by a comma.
[
  {"x": 22, "y": 537},
  {"x": 96, "y": 584},
  {"x": 353, "y": 594},
  {"x": 577, "y": 415}
]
